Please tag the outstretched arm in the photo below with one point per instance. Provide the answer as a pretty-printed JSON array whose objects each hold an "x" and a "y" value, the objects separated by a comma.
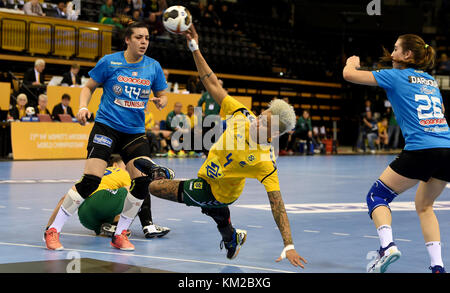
[
  {"x": 353, "y": 75},
  {"x": 207, "y": 76},
  {"x": 280, "y": 217}
]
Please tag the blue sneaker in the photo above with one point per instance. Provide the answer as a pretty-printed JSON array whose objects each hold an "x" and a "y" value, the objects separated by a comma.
[
  {"x": 384, "y": 258},
  {"x": 233, "y": 246},
  {"x": 437, "y": 270}
]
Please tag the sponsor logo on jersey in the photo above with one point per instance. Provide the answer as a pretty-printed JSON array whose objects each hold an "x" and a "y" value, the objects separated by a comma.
[
  {"x": 423, "y": 80},
  {"x": 435, "y": 121},
  {"x": 116, "y": 63},
  {"x": 130, "y": 104},
  {"x": 134, "y": 73},
  {"x": 117, "y": 89},
  {"x": 133, "y": 80},
  {"x": 144, "y": 94},
  {"x": 103, "y": 140}
]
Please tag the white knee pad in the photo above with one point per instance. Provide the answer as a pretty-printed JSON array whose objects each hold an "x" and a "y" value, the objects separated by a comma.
[
  {"x": 131, "y": 206},
  {"x": 72, "y": 201}
]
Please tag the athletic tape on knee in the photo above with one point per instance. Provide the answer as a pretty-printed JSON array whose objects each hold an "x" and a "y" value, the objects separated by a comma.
[
  {"x": 139, "y": 187},
  {"x": 379, "y": 195},
  {"x": 131, "y": 206},
  {"x": 72, "y": 201},
  {"x": 87, "y": 185}
]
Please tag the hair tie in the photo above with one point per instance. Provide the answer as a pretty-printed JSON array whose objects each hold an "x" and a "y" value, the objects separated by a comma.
[{"x": 426, "y": 46}]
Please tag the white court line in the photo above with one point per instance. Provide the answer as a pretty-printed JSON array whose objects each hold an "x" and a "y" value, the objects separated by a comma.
[
  {"x": 369, "y": 236},
  {"x": 253, "y": 226},
  {"x": 87, "y": 235},
  {"x": 2, "y": 207},
  {"x": 404, "y": 240},
  {"x": 47, "y": 210},
  {"x": 200, "y": 222},
  {"x": 152, "y": 257},
  {"x": 311, "y": 231},
  {"x": 172, "y": 219},
  {"x": 341, "y": 234},
  {"x": 24, "y": 208}
]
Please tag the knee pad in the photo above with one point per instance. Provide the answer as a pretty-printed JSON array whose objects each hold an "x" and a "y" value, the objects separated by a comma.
[
  {"x": 379, "y": 195},
  {"x": 139, "y": 187},
  {"x": 87, "y": 185}
]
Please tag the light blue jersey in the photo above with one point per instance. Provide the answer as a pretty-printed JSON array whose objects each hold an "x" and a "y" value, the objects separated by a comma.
[
  {"x": 126, "y": 90},
  {"x": 417, "y": 104}
]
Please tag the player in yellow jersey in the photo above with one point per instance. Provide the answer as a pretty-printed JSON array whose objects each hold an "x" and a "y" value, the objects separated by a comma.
[
  {"x": 242, "y": 151},
  {"x": 100, "y": 212}
]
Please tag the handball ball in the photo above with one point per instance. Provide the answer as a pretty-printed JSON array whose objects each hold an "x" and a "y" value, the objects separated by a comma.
[
  {"x": 29, "y": 111},
  {"x": 177, "y": 19}
]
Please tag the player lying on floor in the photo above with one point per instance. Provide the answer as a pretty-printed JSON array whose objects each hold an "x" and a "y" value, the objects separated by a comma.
[
  {"x": 221, "y": 178},
  {"x": 100, "y": 212}
]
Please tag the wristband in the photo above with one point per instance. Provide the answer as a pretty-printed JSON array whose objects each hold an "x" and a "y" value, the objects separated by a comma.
[
  {"x": 288, "y": 247},
  {"x": 193, "y": 46},
  {"x": 84, "y": 108}
]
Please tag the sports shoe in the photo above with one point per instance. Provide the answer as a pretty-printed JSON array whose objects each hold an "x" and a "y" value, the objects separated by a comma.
[
  {"x": 121, "y": 242},
  {"x": 181, "y": 154},
  {"x": 384, "y": 258},
  {"x": 51, "y": 238},
  {"x": 192, "y": 154},
  {"x": 233, "y": 246},
  {"x": 153, "y": 230},
  {"x": 171, "y": 154},
  {"x": 437, "y": 270},
  {"x": 154, "y": 171},
  {"x": 108, "y": 230}
]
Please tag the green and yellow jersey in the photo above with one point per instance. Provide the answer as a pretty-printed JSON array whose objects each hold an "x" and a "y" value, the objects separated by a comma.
[{"x": 235, "y": 157}]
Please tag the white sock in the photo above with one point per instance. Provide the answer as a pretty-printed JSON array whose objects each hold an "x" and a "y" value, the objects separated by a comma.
[
  {"x": 124, "y": 223},
  {"x": 434, "y": 251},
  {"x": 385, "y": 235},
  {"x": 60, "y": 219},
  {"x": 131, "y": 207}
]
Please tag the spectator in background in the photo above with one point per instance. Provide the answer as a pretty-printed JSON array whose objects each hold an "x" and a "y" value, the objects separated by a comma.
[
  {"x": 210, "y": 17},
  {"x": 180, "y": 124},
  {"x": 3, "y": 3},
  {"x": 62, "y": 108},
  {"x": 193, "y": 121},
  {"x": 227, "y": 19},
  {"x": 303, "y": 131},
  {"x": 383, "y": 137},
  {"x": 287, "y": 140},
  {"x": 211, "y": 110},
  {"x": 19, "y": 110},
  {"x": 194, "y": 86},
  {"x": 107, "y": 14},
  {"x": 33, "y": 7},
  {"x": 393, "y": 129},
  {"x": 370, "y": 130},
  {"x": 136, "y": 16},
  {"x": 169, "y": 84},
  {"x": 60, "y": 10},
  {"x": 444, "y": 64},
  {"x": 35, "y": 76},
  {"x": 125, "y": 7},
  {"x": 71, "y": 78},
  {"x": 137, "y": 4},
  {"x": 72, "y": 11},
  {"x": 153, "y": 10},
  {"x": 41, "y": 108}
]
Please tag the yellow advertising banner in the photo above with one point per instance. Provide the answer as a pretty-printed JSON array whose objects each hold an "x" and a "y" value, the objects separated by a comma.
[{"x": 49, "y": 140}]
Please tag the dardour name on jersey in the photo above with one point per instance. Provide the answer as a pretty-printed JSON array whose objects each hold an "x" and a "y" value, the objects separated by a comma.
[{"x": 423, "y": 80}]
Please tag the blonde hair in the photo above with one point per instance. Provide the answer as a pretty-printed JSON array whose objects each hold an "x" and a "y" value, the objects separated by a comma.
[
  {"x": 22, "y": 96},
  {"x": 285, "y": 113},
  {"x": 43, "y": 97}
]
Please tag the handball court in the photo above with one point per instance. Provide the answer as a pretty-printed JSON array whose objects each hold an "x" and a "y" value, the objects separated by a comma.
[{"x": 324, "y": 197}]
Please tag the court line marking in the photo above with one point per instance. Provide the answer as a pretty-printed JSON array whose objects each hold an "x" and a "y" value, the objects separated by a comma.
[
  {"x": 199, "y": 222},
  {"x": 404, "y": 240},
  {"x": 253, "y": 226},
  {"x": 341, "y": 234},
  {"x": 172, "y": 219},
  {"x": 2, "y": 207},
  {"x": 87, "y": 235},
  {"x": 36, "y": 181},
  {"x": 311, "y": 231},
  {"x": 370, "y": 236},
  {"x": 24, "y": 208},
  {"x": 151, "y": 257}
]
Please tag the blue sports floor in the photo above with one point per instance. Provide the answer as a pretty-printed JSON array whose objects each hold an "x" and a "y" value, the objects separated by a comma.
[{"x": 324, "y": 197}]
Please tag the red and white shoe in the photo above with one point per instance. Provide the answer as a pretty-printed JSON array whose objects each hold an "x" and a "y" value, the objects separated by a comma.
[
  {"x": 121, "y": 241},
  {"x": 51, "y": 238}
]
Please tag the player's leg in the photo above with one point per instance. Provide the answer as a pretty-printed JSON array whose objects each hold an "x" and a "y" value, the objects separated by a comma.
[
  {"x": 145, "y": 217},
  {"x": 426, "y": 194},
  {"x": 383, "y": 192},
  {"x": 100, "y": 146},
  {"x": 93, "y": 172}
]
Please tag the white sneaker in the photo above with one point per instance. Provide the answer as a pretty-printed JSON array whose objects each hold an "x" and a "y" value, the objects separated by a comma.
[
  {"x": 153, "y": 230},
  {"x": 383, "y": 258}
]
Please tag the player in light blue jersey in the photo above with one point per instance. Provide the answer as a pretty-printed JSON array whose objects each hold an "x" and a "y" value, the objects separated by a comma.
[
  {"x": 417, "y": 104},
  {"x": 128, "y": 78}
]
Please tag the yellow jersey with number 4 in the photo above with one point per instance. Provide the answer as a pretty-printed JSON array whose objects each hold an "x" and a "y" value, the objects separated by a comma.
[{"x": 235, "y": 157}]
